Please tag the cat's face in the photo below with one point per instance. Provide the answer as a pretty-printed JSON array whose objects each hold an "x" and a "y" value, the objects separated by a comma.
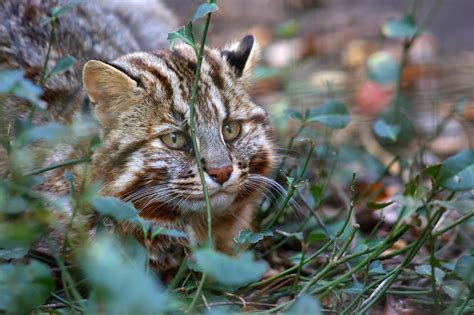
[{"x": 147, "y": 154}]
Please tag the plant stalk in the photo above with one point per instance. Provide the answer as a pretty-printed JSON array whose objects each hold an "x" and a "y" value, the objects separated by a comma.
[{"x": 192, "y": 127}]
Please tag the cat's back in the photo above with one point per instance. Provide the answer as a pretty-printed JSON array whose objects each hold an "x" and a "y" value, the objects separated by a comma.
[{"x": 86, "y": 30}]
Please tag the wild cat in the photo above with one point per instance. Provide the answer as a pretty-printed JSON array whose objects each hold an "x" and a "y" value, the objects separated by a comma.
[{"x": 141, "y": 101}]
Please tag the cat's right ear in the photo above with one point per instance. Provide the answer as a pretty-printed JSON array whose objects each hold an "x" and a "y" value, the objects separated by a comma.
[{"x": 110, "y": 89}]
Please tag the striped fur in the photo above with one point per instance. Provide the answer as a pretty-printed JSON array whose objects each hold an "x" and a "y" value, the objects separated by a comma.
[
  {"x": 138, "y": 98},
  {"x": 164, "y": 183}
]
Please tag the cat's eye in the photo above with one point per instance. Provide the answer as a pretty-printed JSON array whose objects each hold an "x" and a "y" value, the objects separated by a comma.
[
  {"x": 231, "y": 130},
  {"x": 175, "y": 140}
]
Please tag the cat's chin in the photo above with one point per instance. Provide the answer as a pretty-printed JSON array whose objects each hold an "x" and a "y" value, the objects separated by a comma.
[{"x": 220, "y": 201}]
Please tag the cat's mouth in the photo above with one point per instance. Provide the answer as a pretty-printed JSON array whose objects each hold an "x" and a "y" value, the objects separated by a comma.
[
  {"x": 212, "y": 195},
  {"x": 220, "y": 199}
]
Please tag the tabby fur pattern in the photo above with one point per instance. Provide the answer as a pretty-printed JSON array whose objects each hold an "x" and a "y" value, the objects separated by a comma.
[{"x": 141, "y": 99}]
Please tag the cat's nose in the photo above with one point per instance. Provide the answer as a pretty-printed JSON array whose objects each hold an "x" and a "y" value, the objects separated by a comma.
[{"x": 220, "y": 175}]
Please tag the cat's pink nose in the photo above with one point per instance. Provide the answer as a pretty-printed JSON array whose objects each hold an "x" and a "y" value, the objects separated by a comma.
[{"x": 220, "y": 175}]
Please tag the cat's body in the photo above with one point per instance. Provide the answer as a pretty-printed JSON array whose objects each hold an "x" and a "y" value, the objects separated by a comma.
[
  {"x": 102, "y": 30},
  {"x": 141, "y": 101}
]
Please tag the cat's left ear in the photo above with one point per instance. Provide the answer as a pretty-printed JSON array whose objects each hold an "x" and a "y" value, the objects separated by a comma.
[{"x": 242, "y": 56}]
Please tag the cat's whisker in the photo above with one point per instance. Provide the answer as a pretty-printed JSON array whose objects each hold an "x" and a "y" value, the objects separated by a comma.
[
  {"x": 264, "y": 189},
  {"x": 145, "y": 192},
  {"x": 278, "y": 188}
]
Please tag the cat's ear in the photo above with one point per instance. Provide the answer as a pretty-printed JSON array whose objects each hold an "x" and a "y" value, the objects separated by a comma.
[
  {"x": 242, "y": 56},
  {"x": 110, "y": 89}
]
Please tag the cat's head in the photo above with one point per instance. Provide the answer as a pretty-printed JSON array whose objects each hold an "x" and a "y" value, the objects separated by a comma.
[{"x": 142, "y": 102}]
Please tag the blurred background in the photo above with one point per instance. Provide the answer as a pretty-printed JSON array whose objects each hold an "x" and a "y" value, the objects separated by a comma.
[
  {"x": 307, "y": 44},
  {"x": 315, "y": 50}
]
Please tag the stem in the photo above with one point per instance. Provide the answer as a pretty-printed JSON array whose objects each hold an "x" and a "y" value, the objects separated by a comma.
[
  {"x": 374, "y": 254},
  {"x": 48, "y": 52},
  {"x": 291, "y": 189},
  {"x": 300, "y": 266},
  {"x": 289, "y": 147},
  {"x": 333, "y": 263},
  {"x": 44, "y": 69},
  {"x": 289, "y": 270},
  {"x": 66, "y": 279},
  {"x": 434, "y": 290},
  {"x": 58, "y": 165},
  {"x": 198, "y": 293},
  {"x": 453, "y": 225},
  {"x": 192, "y": 127},
  {"x": 179, "y": 274},
  {"x": 464, "y": 304},
  {"x": 197, "y": 157},
  {"x": 351, "y": 207},
  {"x": 396, "y": 272},
  {"x": 290, "y": 144}
]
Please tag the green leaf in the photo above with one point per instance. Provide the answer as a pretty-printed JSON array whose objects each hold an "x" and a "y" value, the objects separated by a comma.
[
  {"x": 403, "y": 28},
  {"x": 248, "y": 237},
  {"x": 51, "y": 132},
  {"x": 317, "y": 236},
  {"x": 425, "y": 270},
  {"x": 204, "y": 9},
  {"x": 432, "y": 171},
  {"x": 8, "y": 79},
  {"x": 119, "y": 281},
  {"x": 62, "y": 65},
  {"x": 20, "y": 233},
  {"x": 13, "y": 253},
  {"x": 353, "y": 157},
  {"x": 114, "y": 208},
  {"x": 293, "y": 114},
  {"x": 448, "y": 265},
  {"x": 156, "y": 230},
  {"x": 58, "y": 11},
  {"x": 463, "y": 206},
  {"x": 355, "y": 288},
  {"x": 298, "y": 235},
  {"x": 465, "y": 269},
  {"x": 386, "y": 130},
  {"x": 316, "y": 193},
  {"x": 331, "y": 113},
  {"x": 13, "y": 82},
  {"x": 408, "y": 205},
  {"x": 359, "y": 248},
  {"x": 24, "y": 287},
  {"x": 382, "y": 68},
  {"x": 185, "y": 34},
  {"x": 305, "y": 305},
  {"x": 378, "y": 206},
  {"x": 393, "y": 129},
  {"x": 457, "y": 172},
  {"x": 376, "y": 268},
  {"x": 232, "y": 271},
  {"x": 16, "y": 205},
  {"x": 455, "y": 289}
]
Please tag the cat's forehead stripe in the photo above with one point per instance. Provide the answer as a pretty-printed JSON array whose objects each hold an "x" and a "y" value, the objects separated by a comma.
[
  {"x": 156, "y": 72},
  {"x": 171, "y": 75}
]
